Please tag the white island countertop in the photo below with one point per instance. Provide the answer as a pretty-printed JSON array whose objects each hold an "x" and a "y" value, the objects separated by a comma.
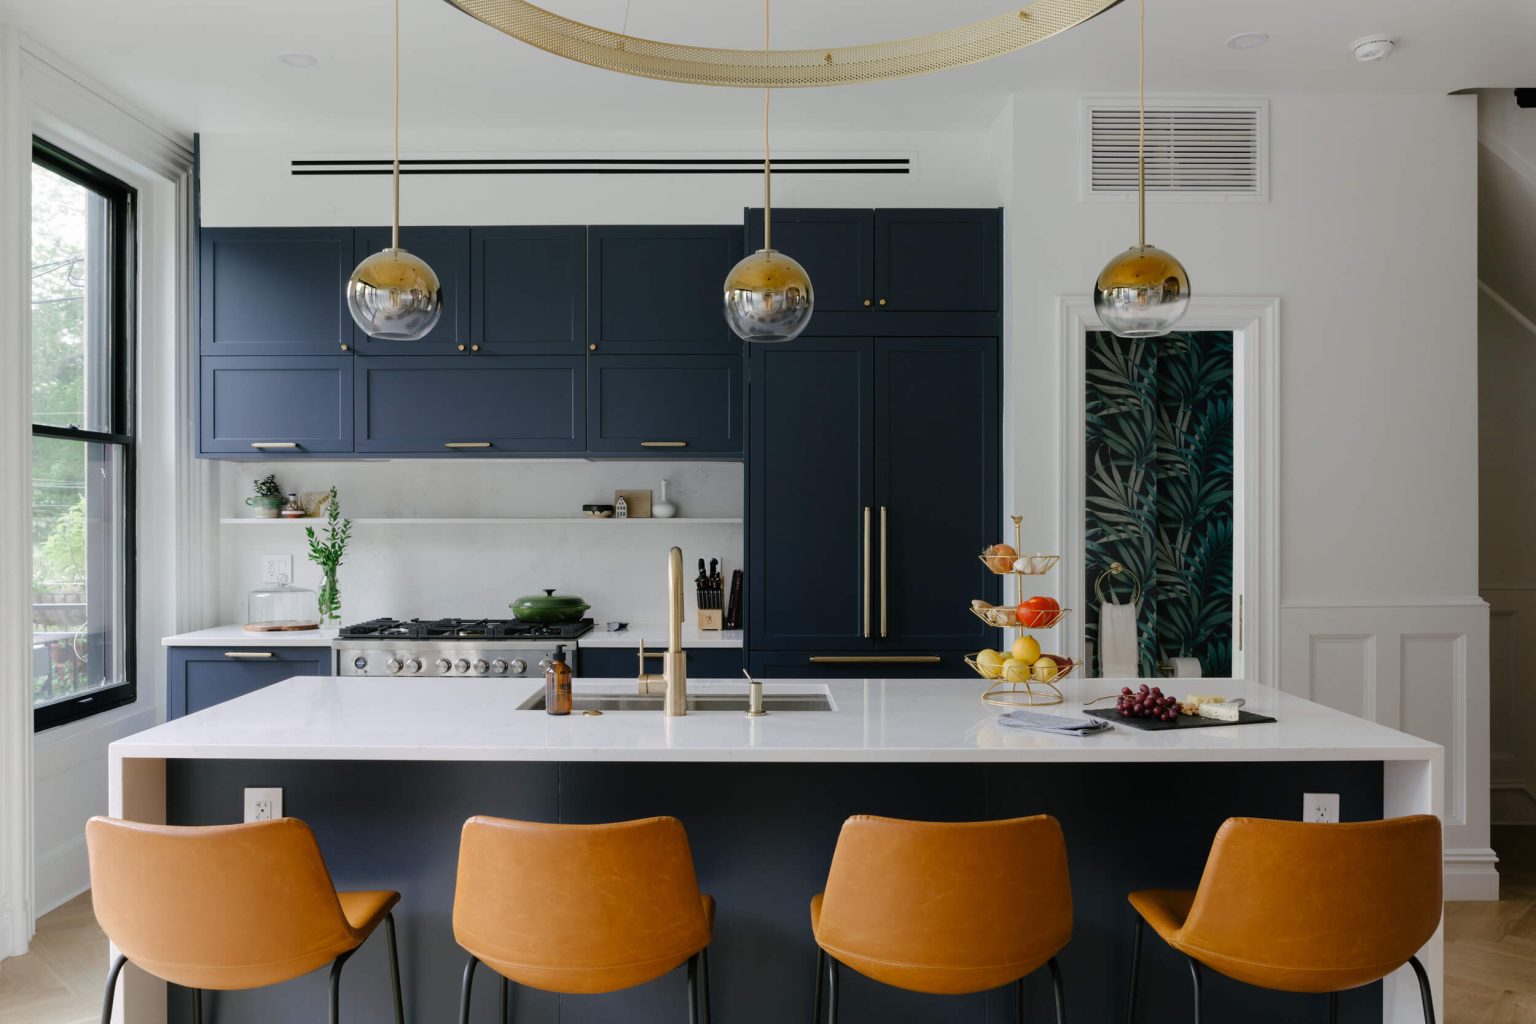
[
  {"x": 873, "y": 720},
  {"x": 239, "y": 636}
]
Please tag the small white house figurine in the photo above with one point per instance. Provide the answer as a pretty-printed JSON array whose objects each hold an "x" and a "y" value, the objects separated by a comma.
[{"x": 620, "y": 508}]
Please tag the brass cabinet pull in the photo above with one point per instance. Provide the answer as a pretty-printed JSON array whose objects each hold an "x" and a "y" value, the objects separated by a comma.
[
  {"x": 867, "y": 302},
  {"x": 663, "y": 444},
  {"x": 247, "y": 654},
  {"x": 875, "y": 659},
  {"x": 461, "y": 346},
  {"x": 885, "y": 568},
  {"x": 345, "y": 347},
  {"x": 474, "y": 348},
  {"x": 467, "y": 444},
  {"x": 592, "y": 347},
  {"x": 274, "y": 444},
  {"x": 882, "y": 302},
  {"x": 867, "y": 614}
]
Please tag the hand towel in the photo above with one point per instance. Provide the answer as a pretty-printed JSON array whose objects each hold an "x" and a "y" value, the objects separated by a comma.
[
  {"x": 1118, "y": 655},
  {"x": 1056, "y": 725}
]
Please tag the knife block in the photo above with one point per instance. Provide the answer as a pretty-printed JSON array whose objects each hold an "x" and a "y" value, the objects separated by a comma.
[{"x": 711, "y": 618}]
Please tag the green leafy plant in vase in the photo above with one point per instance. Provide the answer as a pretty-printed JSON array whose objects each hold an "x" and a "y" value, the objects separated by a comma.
[
  {"x": 327, "y": 554},
  {"x": 268, "y": 497}
]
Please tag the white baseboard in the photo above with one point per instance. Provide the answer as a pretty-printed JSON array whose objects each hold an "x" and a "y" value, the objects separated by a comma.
[
  {"x": 1471, "y": 875},
  {"x": 63, "y": 872}
]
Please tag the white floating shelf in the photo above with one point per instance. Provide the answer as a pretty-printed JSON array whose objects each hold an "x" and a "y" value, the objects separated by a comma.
[{"x": 480, "y": 521}]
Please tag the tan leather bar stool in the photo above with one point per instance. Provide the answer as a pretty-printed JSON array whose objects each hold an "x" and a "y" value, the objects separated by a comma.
[
  {"x": 916, "y": 905},
  {"x": 581, "y": 909},
  {"x": 1304, "y": 907},
  {"x": 228, "y": 906}
]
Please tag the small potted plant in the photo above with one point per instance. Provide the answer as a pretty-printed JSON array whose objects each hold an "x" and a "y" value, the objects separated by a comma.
[{"x": 267, "y": 499}]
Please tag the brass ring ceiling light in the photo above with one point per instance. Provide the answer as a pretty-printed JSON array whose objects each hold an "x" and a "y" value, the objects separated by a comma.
[{"x": 783, "y": 69}]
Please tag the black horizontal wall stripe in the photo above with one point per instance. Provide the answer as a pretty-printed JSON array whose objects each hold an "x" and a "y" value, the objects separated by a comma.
[
  {"x": 583, "y": 161},
  {"x": 608, "y": 170}
]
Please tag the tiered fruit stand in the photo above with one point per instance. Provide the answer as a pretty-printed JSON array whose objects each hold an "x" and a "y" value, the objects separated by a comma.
[{"x": 1038, "y": 688}]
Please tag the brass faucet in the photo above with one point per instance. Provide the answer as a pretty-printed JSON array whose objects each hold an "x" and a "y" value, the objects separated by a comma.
[{"x": 672, "y": 683}]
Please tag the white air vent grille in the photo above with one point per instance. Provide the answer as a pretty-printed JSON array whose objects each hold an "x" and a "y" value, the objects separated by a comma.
[{"x": 1194, "y": 151}]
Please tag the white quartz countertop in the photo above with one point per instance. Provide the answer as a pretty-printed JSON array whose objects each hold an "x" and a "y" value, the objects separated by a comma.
[
  {"x": 874, "y": 720},
  {"x": 655, "y": 636},
  {"x": 239, "y": 636}
]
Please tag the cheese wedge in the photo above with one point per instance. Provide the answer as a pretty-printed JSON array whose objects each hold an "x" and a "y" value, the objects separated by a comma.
[
  {"x": 1204, "y": 698},
  {"x": 1222, "y": 712}
]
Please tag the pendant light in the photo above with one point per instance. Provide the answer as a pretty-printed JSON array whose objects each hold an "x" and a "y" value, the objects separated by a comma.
[
  {"x": 392, "y": 294},
  {"x": 768, "y": 295},
  {"x": 1144, "y": 291}
]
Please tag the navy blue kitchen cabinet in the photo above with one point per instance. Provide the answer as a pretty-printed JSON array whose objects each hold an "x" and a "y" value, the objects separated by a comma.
[
  {"x": 819, "y": 664},
  {"x": 836, "y": 247},
  {"x": 624, "y": 662},
  {"x": 446, "y": 251},
  {"x": 485, "y": 405},
  {"x": 665, "y": 405},
  {"x": 660, "y": 289},
  {"x": 938, "y": 260},
  {"x": 200, "y": 677},
  {"x": 274, "y": 291},
  {"x": 872, "y": 469},
  {"x": 528, "y": 290},
  {"x": 266, "y": 407}
]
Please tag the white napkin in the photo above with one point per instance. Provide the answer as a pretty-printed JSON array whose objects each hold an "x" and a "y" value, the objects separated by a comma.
[{"x": 1057, "y": 725}]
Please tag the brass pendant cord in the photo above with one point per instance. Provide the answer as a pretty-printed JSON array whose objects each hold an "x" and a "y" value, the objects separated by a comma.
[
  {"x": 395, "y": 233},
  {"x": 1141, "y": 139},
  {"x": 767, "y": 159}
]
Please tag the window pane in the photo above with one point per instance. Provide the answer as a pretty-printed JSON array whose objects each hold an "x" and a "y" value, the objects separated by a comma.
[
  {"x": 77, "y": 554},
  {"x": 71, "y": 304}
]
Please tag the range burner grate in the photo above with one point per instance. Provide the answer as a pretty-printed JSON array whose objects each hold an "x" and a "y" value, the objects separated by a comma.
[{"x": 464, "y": 629}]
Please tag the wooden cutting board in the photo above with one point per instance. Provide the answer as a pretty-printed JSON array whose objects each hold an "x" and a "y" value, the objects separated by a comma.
[{"x": 280, "y": 626}]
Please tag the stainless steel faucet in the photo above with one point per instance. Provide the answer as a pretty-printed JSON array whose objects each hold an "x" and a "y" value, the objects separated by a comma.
[{"x": 672, "y": 683}]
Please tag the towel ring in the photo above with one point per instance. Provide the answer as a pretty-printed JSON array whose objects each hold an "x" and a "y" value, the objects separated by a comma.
[{"x": 1116, "y": 569}]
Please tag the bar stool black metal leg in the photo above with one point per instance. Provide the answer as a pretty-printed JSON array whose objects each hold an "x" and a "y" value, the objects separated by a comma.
[
  {"x": 1018, "y": 1000},
  {"x": 1130, "y": 1008},
  {"x": 197, "y": 1006},
  {"x": 394, "y": 967},
  {"x": 336, "y": 966},
  {"x": 832, "y": 978},
  {"x": 1194, "y": 972},
  {"x": 1425, "y": 992},
  {"x": 704, "y": 1011},
  {"x": 502, "y": 1004},
  {"x": 107, "y": 997},
  {"x": 1061, "y": 994},
  {"x": 821, "y": 981},
  {"x": 693, "y": 989},
  {"x": 1333, "y": 1008},
  {"x": 469, "y": 980}
]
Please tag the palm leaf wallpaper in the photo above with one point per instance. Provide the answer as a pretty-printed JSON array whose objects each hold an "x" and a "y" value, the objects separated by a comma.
[{"x": 1159, "y": 490}]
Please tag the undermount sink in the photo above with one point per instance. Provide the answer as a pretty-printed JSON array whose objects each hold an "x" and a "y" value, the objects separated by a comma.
[{"x": 696, "y": 702}]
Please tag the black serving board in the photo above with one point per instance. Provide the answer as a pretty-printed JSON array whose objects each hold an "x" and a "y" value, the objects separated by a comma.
[{"x": 1182, "y": 722}]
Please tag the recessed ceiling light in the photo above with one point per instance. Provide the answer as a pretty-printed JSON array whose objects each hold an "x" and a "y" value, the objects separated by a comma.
[
  {"x": 297, "y": 60},
  {"x": 1247, "y": 40},
  {"x": 1370, "y": 48}
]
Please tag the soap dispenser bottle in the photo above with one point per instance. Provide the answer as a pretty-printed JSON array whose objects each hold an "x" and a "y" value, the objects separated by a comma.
[{"x": 557, "y": 684}]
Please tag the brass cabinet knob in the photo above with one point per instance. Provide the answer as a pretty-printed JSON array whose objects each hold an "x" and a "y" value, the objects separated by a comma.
[
  {"x": 461, "y": 346},
  {"x": 345, "y": 347},
  {"x": 866, "y": 302},
  {"x": 882, "y": 302},
  {"x": 474, "y": 348},
  {"x": 592, "y": 347}
]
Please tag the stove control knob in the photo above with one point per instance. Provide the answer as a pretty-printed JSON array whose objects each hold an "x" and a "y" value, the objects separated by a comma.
[
  {"x": 499, "y": 666},
  {"x": 480, "y": 667},
  {"x": 360, "y": 663},
  {"x": 462, "y": 665},
  {"x": 394, "y": 666},
  {"x": 519, "y": 666},
  {"x": 413, "y": 665},
  {"x": 443, "y": 664}
]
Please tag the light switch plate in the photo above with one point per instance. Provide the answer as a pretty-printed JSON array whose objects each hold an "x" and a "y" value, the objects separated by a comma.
[
  {"x": 1320, "y": 807},
  {"x": 276, "y": 568},
  {"x": 263, "y": 804}
]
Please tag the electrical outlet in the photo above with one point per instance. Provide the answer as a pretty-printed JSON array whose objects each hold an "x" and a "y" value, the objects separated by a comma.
[
  {"x": 1320, "y": 807},
  {"x": 263, "y": 804},
  {"x": 276, "y": 568}
]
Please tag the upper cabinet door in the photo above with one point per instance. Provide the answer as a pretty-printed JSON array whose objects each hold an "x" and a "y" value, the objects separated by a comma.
[
  {"x": 938, "y": 261},
  {"x": 446, "y": 251},
  {"x": 836, "y": 247},
  {"x": 275, "y": 408},
  {"x": 665, "y": 406},
  {"x": 488, "y": 405},
  {"x": 529, "y": 290},
  {"x": 660, "y": 289},
  {"x": 275, "y": 291},
  {"x": 937, "y": 471}
]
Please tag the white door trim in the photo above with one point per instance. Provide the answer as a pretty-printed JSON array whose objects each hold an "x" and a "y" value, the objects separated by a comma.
[{"x": 1255, "y": 325}]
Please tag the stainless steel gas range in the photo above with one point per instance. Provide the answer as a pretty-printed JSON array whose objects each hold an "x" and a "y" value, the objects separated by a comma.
[{"x": 454, "y": 647}]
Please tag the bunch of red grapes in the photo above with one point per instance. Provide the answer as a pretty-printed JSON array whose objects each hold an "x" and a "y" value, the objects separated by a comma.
[{"x": 1147, "y": 702}]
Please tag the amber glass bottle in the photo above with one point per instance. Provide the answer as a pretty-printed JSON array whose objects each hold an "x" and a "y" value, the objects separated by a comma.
[{"x": 557, "y": 684}]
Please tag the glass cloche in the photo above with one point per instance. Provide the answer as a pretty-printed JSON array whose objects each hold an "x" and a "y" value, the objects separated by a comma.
[{"x": 282, "y": 607}]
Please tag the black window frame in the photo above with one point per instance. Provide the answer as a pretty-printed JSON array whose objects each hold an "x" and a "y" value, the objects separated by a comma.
[{"x": 123, "y": 352}]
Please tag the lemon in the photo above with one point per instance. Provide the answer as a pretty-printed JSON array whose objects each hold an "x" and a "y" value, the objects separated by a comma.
[
  {"x": 1015, "y": 671},
  {"x": 1046, "y": 669},
  {"x": 1026, "y": 649},
  {"x": 990, "y": 663}
]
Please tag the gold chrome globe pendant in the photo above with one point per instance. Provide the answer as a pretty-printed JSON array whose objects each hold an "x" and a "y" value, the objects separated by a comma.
[
  {"x": 768, "y": 295},
  {"x": 1142, "y": 292},
  {"x": 393, "y": 295}
]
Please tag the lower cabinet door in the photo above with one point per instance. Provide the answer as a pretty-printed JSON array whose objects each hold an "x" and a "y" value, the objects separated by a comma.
[
  {"x": 834, "y": 665},
  {"x": 624, "y": 662},
  {"x": 271, "y": 406},
  {"x": 482, "y": 405},
  {"x": 200, "y": 677},
  {"x": 665, "y": 406}
]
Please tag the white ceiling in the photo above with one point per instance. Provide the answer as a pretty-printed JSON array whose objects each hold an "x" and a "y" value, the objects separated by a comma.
[{"x": 211, "y": 65}]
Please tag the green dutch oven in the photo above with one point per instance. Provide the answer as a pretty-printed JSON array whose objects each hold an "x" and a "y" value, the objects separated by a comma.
[{"x": 549, "y": 607}]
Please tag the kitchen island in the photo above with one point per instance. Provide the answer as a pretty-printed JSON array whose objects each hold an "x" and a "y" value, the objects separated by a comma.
[{"x": 386, "y": 770}]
